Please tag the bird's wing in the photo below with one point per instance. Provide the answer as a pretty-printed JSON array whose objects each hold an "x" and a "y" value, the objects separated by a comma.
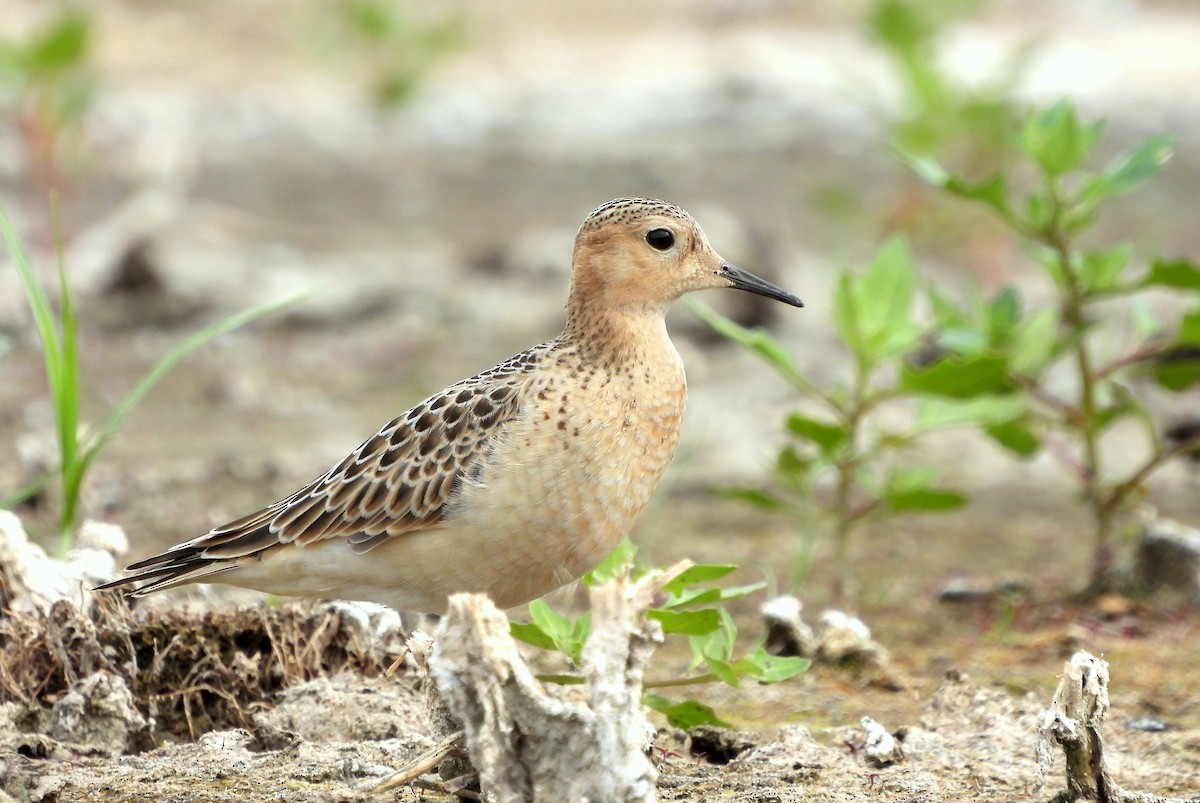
[{"x": 401, "y": 480}]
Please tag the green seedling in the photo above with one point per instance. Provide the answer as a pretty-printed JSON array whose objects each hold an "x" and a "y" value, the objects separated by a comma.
[
  {"x": 394, "y": 43},
  {"x": 51, "y": 84},
  {"x": 691, "y": 606}
]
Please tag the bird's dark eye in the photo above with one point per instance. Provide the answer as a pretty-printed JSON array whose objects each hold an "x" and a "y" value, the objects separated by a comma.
[{"x": 660, "y": 239}]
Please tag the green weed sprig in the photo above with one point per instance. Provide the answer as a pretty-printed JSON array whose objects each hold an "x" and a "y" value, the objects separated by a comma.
[
  {"x": 839, "y": 468},
  {"x": 59, "y": 337},
  {"x": 1003, "y": 349},
  {"x": 54, "y": 83}
]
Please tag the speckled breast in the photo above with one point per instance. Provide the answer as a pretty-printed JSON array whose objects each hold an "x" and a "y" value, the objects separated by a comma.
[{"x": 571, "y": 476}]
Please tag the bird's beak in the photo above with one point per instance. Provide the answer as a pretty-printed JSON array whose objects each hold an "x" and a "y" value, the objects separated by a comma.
[{"x": 744, "y": 280}]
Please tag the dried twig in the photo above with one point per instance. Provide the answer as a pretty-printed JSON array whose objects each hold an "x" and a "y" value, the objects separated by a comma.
[{"x": 426, "y": 762}]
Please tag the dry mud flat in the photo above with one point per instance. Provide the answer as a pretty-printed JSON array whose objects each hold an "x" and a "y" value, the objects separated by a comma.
[{"x": 294, "y": 703}]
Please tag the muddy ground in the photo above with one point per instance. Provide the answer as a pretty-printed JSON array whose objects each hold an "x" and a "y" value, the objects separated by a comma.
[{"x": 228, "y": 166}]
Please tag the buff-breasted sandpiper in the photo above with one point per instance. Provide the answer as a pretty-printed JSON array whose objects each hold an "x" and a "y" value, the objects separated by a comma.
[{"x": 513, "y": 482}]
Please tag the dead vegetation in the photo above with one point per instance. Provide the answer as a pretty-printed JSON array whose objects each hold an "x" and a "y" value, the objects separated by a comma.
[
  {"x": 190, "y": 673},
  {"x": 290, "y": 703}
]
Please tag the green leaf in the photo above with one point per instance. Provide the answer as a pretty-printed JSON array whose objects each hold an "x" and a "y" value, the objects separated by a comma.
[
  {"x": 62, "y": 45},
  {"x": 901, "y": 26},
  {"x": 929, "y": 500},
  {"x": 947, "y": 312},
  {"x": 1039, "y": 210},
  {"x": 992, "y": 191},
  {"x": 695, "y": 596},
  {"x": 909, "y": 489},
  {"x": 885, "y": 296},
  {"x": 1177, "y": 274},
  {"x": 1179, "y": 368},
  {"x": 959, "y": 377},
  {"x": 755, "y": 497},
  {"x": 1016, "y": 436},
  {"x": 873, "y": 312},
  {"x": 962, "y": 340},
  {"x": 734, "y": 592},
  {"x": 1003, "y": 316},
  {"x": 619, "y": 562},
  {"x": 846, "y": 317},
  {"x": 724, "y": 671},
  {"x": 827, "y": 436},
  {"x": 1178, "y": 375},
  {"x": 984, "y": 410},
  {"x": 1035, "y": 342},
  {"x": 1101, "y": 270},
  {"x": 791, "y": 464},
  {"x": 530, "y": 633},
  {"x": 1129, "y": 170},
  {"x": 686, "y": 715},
  {"x": 716, "y": 646},
  {"x": 556, "y": 626},
  {"x": 912, "y": 478},
  {"x": 579, "y": 634},
  {"x": 766, "y": 668},
  {"x": 692, "y": 623},
  {"x": 700, "y": 573},
  {"x": 566, "y": 634},
  {"x": 1189, "y": 328},
  {"x": 1057, "y": 140}
]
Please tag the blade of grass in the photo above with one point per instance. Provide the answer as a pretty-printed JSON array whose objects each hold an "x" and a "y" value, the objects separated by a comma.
[
  {"x": 30, "y": 490},
  {"x": 43, "y": 316},
  {"x": 58, "y": 357},
  {"x": 66, "y": 394},
  {"x": 168, "y": 361}
]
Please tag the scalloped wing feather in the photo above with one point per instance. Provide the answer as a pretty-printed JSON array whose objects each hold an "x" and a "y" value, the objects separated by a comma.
[{"x": 402, "y": 479}]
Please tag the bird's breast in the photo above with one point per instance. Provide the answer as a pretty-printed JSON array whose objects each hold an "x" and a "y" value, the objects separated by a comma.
[{"x": 568, "y": 478}]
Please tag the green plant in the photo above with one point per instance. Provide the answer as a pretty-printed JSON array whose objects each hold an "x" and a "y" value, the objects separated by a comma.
[
  {"x": 1002, "y": 350},
  {"x": 691, "y": 607},
  {"x": 393, "y": 41},
  {"x": 840, "y": 467},
  {"x": 53, "y": 84},
  {"x": 59, "y": 336}
]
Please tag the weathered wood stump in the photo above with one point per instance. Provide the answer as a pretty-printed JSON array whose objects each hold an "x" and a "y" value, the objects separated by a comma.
[
  {"x": 530, "y": 746},
  {"x": 1076, "y": 715}
]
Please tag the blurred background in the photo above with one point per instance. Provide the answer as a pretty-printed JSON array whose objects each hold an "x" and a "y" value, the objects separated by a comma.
[{"x": 423, "y": 167}]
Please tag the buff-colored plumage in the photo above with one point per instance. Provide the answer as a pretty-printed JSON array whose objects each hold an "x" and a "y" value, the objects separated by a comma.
[{"x": 513, "y": 482}]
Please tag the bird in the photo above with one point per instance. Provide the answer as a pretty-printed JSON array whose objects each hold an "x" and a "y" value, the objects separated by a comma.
[{"x": 512, "y": 483}]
